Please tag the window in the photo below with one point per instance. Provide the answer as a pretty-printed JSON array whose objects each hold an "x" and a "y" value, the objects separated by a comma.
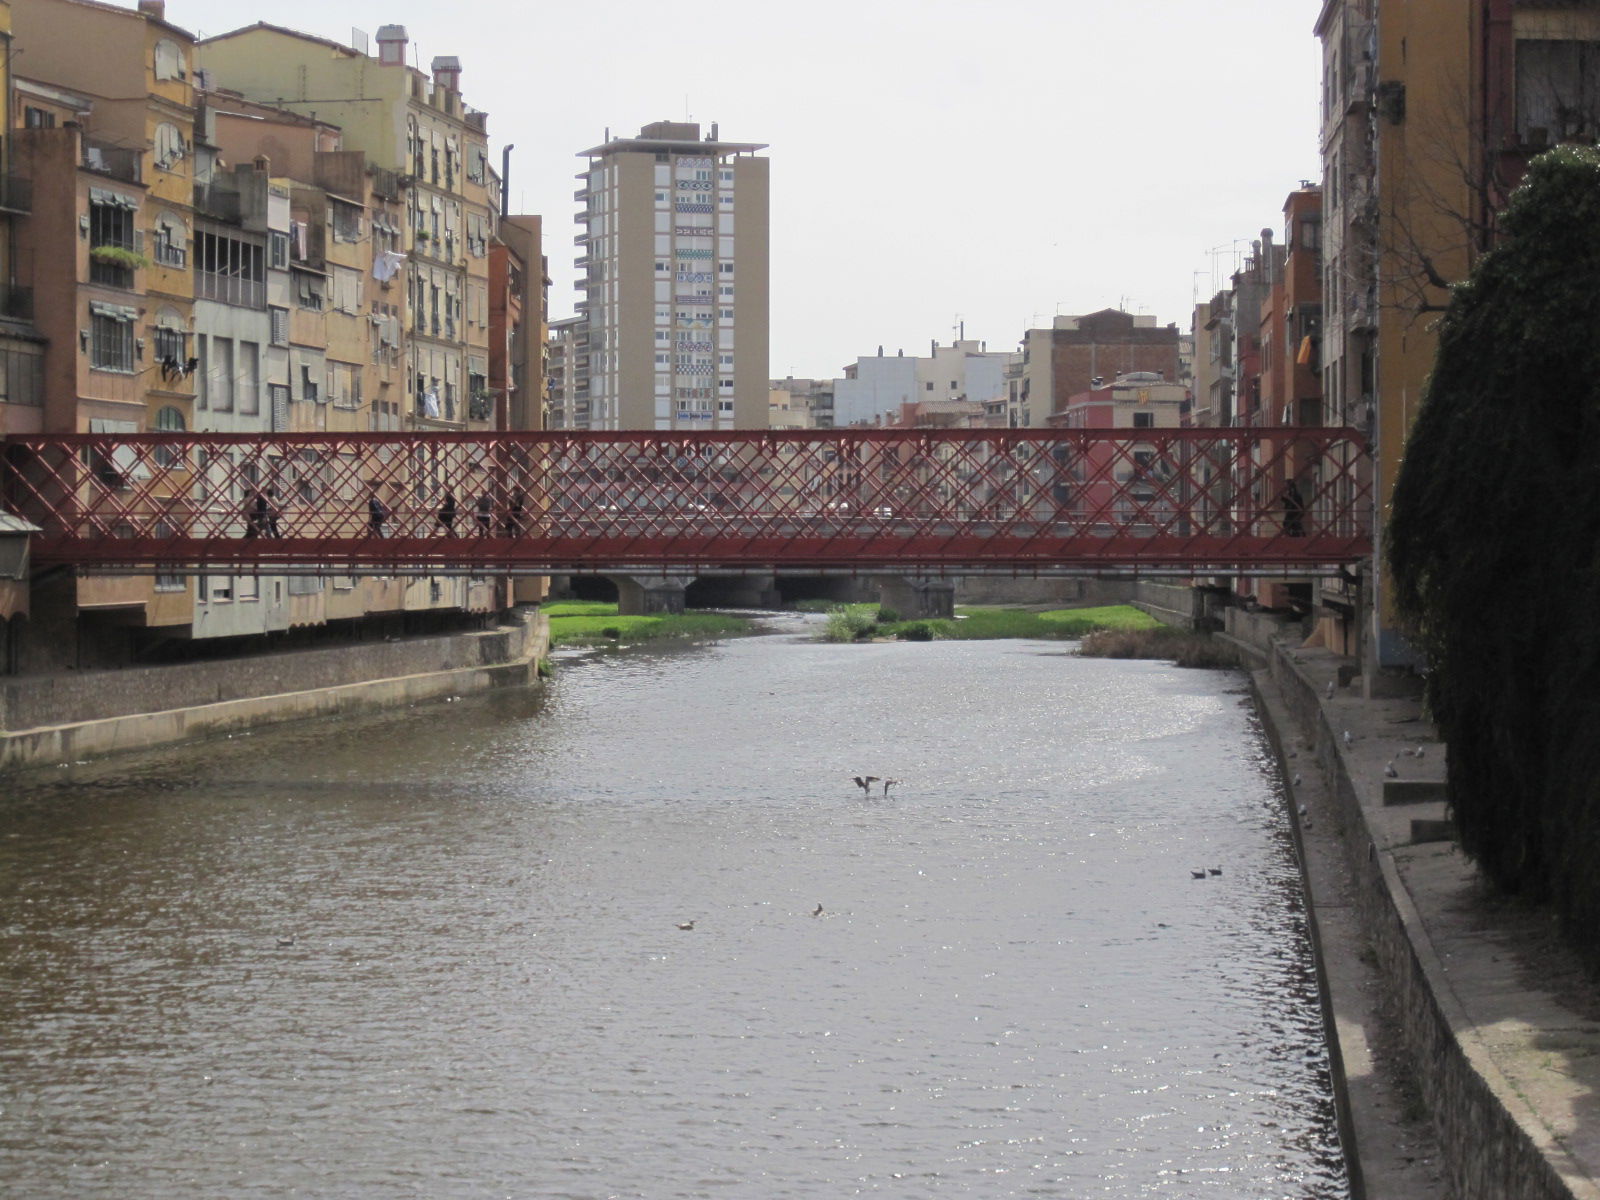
[
  {"x": 248, "y": 383},
  {"x": 169, "y": 420},
  {"x": 308, "y": 386},
  {"x": 169, "y": 338},
  {"x": 1144, "y": 420},
  {"x": 21, "y": 373},
  {"x": 112, "y": 241},
  {"x": 280, "y": 326},
  {"x": 725, "y": 268},
  {"x": 111, "y": 337},
  {"x": 38, "y": 118},
  {"x": 346, "y": 221},
  {"x": 219, "y": 377},
  {"x": 169, "y": 60},
  {"x": 170, "y": 241},
  {"x": 169, "y": 146},
  {"x": 279, "y": 394},
  {"x": 278, "y": 248},
  {"x": 308, "y": 292},
  {"x": 229, "y": 270},
  {"x": 1558, "y": 91}
]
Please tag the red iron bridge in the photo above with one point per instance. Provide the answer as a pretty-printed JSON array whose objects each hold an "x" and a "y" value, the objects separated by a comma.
[{"x": 947, "y": 502}]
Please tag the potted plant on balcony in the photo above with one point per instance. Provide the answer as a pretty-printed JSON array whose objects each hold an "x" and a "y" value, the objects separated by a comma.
[{"x": 119, "y": 256}]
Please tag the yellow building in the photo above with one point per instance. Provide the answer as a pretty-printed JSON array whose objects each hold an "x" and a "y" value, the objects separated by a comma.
[
  {"x": 105, "y": 137},
  {"x": 418, "y": 126},
  {"x": 1430, "y": 112}
]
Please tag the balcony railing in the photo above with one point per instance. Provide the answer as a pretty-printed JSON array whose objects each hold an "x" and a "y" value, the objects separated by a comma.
[{"x": 230, "y": 289}]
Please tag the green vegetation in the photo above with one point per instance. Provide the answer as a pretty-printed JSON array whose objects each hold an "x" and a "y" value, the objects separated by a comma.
[
  {"x": 855, "y": 622},
  {"x": 1492, "y": 542},
  {"x": 594, "y": 623},
  {"x": 120, "y": 257}
]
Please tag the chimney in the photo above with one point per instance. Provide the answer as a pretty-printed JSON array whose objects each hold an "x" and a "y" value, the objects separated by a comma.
[
  {"x": 392, "y": 45},
  {"x": 154, "y": 8},
  {"x": 447, "y": 72}
]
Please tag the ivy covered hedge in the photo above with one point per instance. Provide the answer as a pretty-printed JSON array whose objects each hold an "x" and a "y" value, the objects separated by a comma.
[{"x": 1494, "y": 544}]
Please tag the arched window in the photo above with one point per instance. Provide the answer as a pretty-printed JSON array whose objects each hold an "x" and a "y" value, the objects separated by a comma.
[
  {"x": 169, "y": 60},
  {"x": 170, "y": 147}
]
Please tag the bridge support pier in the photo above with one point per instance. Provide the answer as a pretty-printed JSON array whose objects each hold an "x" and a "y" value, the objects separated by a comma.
[
  {"x": 917, "y": 599},
  {"x": 650, "y": 595}
]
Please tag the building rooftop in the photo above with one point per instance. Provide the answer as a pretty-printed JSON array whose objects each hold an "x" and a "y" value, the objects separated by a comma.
[{"x": 671, "y": 135}]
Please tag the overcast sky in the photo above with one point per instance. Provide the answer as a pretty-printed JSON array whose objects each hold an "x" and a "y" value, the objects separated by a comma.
[{"x": 933, "y": 161}]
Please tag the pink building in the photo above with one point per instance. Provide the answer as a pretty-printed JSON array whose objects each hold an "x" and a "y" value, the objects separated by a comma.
[{"x": 1122, "y": 484}]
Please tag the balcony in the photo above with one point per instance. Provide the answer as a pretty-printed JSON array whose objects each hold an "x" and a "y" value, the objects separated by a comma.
[{"x": 114, "y": 162}]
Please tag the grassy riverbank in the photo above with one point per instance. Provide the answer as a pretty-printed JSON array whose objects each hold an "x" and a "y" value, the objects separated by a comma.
[
  {"x": 856, "y": 622},
  {"x": 1113, "y": 631},
  {"x": 594, "y": 623}
]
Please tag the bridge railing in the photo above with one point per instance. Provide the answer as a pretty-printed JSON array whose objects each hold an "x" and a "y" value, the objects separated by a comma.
[{"x": 1032, "y": 501}]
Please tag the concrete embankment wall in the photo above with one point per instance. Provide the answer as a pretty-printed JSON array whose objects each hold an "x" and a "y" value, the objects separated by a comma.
[
  {"x": 1170, "y": 603},
  {"x": 1495, "y": 1142},
  {"x": 70, "y": 716}
]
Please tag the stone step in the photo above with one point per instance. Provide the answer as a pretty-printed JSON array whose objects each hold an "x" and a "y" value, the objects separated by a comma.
[
  {"x": 1432, "y": 829},
  {"x": 1412, "y": 791}
]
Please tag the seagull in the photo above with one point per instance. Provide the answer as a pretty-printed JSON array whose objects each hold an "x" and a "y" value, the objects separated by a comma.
[
  {"x": 1330, "y": 689},
  {"x": 865, "y": 782},
  {"x": 817, "y": 911},
  {"x": 1197, "y": 874},
  {"x": 285, "y": 942},
  {"x": 1421, "y": 750},
  {"x": 1348, "y": 740},
  {"x": 1297, "y": 779},
  {"x": 887, "y": 784},
  {"x": 1389, "y": 771},
  {"x": 686, "y": 925},
  {"x": 1216, "y": 870},
  {"x": 1304, "y": 812}
]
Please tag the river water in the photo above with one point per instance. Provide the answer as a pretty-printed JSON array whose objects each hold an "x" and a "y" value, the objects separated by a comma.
[{"x": 1015, "y": 987}]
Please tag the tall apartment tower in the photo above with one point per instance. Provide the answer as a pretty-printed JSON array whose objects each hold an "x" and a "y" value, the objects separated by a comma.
[{"x": 674, "y": 280}]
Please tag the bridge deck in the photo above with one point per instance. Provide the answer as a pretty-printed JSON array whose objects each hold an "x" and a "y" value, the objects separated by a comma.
[{"x": 953, "y": 501}]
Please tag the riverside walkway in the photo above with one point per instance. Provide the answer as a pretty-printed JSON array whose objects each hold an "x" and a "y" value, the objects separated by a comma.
[{"x": 1469, "y": 1035}]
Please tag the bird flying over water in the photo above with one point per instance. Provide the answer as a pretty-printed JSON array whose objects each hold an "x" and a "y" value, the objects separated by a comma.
[
  {"x": 817, "y": 911},
  {"x": 887, "y": 784},
  {"x": 865, "y": 782}
]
